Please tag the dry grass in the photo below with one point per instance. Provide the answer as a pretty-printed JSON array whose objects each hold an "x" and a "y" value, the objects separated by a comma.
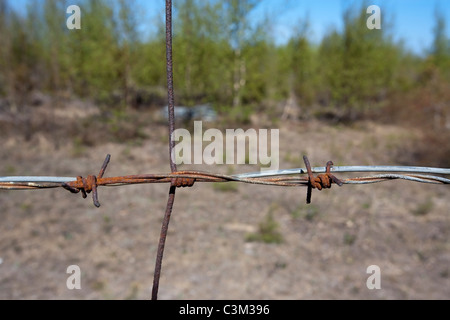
[{"x": 324, "y": 253}]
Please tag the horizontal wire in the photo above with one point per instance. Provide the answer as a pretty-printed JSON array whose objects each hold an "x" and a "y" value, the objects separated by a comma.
[
  {"x": 278, "y": 177},
  {"x": 386, "y": 177},
  {"x": 268, "y": 173},
  {"x": 264, "y": 173},
  {"x": 37, "y": 179}
]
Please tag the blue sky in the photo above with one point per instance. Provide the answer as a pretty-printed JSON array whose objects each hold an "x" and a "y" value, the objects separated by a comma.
[{"x": 412, "y": 20}]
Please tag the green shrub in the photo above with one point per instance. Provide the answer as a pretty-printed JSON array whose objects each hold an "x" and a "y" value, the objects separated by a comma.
[{"x": 268, "y": 231}]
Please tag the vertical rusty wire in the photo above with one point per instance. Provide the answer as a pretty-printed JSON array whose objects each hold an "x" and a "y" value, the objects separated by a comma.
[
  {"x": 162, "y": 242},
  {"x": 169, "y": 71},
  {"x": 173, "y": 167}
]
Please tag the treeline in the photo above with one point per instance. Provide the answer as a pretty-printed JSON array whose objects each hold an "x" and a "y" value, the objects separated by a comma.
[{"x": 220, "y": 56}]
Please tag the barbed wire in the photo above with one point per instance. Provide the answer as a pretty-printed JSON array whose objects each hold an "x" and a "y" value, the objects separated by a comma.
[
  {"x": 46, "y": 182},
  {"x": 186, "y": 178}
]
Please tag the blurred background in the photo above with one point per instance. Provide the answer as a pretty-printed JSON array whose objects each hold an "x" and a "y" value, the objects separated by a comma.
[{"x": 335, "y": 89}]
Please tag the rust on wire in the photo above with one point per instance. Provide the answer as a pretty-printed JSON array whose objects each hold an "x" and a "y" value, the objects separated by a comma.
[
  {"x": 187, "y": 179},
  {"x": 89, "y": 184},
  {"x": 173, "y": 166},
  {"x": 169, "y": 72},
  {"x": 322, "y": 181}
]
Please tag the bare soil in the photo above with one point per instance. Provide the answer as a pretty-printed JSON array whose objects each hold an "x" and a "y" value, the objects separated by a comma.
[{"x": 326, "y": 247}]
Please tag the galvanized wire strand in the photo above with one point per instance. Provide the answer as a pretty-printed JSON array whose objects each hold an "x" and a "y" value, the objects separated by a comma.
[
  {"x": 37, "y": 179},
  {"x": 386, "y": 177},
  {"x": 391, "y": 169}
]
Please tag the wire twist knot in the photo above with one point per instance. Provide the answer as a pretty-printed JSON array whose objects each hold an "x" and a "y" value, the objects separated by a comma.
[
  {"x": 89, "y": 184},
  {"x": 322, "y": 181},
  {"x": 183, "y": 182}
]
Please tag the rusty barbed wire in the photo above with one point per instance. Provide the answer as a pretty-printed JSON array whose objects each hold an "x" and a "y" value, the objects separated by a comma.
[
  {"x": 187, "y": 178},
  {"x": 42, "y": 182}
]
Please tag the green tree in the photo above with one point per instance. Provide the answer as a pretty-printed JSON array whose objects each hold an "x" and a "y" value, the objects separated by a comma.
[
  {"x": 24, "y": 59},
  {"x": 5, "y": 48},
  {"x": 301, "y": 75},
  {"x": 54, "y": 42},
  {"x": 359, "y": 64},
  {"x": 94, "y": 70},
  {"x": 126, "y": 35},
  {"x": 261, "y": 65},
  {"x": 237, "y": 12},
  {"x": 440, "y": 48}
]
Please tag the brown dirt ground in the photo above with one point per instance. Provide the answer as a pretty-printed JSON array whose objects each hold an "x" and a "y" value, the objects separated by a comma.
[{"x": 400, "y": 226}]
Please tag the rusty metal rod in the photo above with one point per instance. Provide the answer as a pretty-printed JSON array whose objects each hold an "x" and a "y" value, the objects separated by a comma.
[
  {"x": 173, "y": 166},
  {"x": 162, "y": 242}
]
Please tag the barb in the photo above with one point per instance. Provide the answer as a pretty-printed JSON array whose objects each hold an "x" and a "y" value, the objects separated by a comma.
[
  {"x": 321, "y": 181},
  {"x": 89, "y": 184}
]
